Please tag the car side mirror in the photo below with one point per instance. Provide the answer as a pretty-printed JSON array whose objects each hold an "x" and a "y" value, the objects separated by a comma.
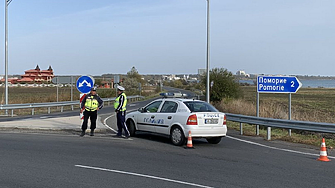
[{"x": 142, "y": 110}]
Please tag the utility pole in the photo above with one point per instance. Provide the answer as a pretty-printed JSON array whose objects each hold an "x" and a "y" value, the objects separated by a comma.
[
  {"x": 207, "y": 55},
  {"x": 7, "y": 2}
]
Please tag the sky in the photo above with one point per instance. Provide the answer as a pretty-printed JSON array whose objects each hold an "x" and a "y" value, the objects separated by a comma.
[{"x": 83, "y": 37}]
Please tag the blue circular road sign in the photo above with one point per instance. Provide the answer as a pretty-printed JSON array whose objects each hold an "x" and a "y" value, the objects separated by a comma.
[{"x": 84, "y": 84}]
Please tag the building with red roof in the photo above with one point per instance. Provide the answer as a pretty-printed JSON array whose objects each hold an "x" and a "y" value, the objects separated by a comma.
[
  {"x": 37, "y": 75},
  {"x": 33, "y": 76}
]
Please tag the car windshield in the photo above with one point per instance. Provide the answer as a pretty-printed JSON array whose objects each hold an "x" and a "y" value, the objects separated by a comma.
[{"x": 199, "y": 106}]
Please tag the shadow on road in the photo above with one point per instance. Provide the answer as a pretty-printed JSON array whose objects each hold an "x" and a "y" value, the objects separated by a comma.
[{"x": 165, "y": 139}]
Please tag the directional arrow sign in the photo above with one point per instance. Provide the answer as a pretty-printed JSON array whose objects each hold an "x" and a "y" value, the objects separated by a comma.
[
  {"x": 84, "y": 84},
  {"x": 278, "y": 84}
]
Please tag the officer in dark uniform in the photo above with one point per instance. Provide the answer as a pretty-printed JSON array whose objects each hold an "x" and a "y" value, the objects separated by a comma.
[
  {"x": 91, "y": 104},
  {"x": 120, "y": 109}
]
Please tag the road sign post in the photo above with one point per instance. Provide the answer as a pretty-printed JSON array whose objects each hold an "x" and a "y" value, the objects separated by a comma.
[
  {"x": 276, "y": 84},
  {"x": 84, "y": 84},
  {"x": 116, "y": 83}
]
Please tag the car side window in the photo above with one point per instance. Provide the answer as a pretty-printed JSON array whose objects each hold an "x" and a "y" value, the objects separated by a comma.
[
  {"x": 169, "y": 107},
  {"x": 153, "y": 107}
]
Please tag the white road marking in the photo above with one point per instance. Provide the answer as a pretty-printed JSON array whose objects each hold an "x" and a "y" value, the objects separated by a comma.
[
  {"x": 142, "y": 175},
  {"x": 45, "y": 117},
  {"x": 105, "y": 122},
  {"x": 287, "y": 150}
]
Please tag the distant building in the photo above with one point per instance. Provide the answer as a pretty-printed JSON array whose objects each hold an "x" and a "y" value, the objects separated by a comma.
[
  {"x": 37, "y": 75},
  {"x": 242, "y": 73},
  {"x": 201, "y": 72},
  {"x": 33, "y": 76},
  {"x": 171, "y": 77}
]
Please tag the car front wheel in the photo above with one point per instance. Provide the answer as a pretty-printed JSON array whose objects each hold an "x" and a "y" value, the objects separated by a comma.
[
  {"x": 177, "y": 136},
  {"x": 131, "y": 128},
  {"x": 214, "y": 140}
]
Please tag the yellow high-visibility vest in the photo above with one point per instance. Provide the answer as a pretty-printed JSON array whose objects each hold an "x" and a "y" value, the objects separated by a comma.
[
  {"x": 91, "y": 103},
  {"x": 117, "y": 102}
]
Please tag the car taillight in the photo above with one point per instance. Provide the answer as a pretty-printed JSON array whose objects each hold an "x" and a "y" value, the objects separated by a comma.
[
  {"x": 224, "y": 120},
  {"x": 192, "y": 120}
]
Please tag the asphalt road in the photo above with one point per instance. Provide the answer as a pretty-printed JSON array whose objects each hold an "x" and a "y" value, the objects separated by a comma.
[{"x": 55, "y": 160}]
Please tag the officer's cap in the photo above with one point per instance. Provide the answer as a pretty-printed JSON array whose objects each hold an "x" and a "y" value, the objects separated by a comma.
[
  {"x": 93, "y": 88},
  {"x": 120, "y": 88}
]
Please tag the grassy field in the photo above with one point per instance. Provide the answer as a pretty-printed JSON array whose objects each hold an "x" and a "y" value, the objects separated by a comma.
[
  {"x": 308, "y": 104},
  {"x": 18, "y": 95},
  {"x": 22, "y": 95}
]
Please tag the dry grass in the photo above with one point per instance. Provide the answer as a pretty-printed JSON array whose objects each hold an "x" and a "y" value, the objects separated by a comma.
[
  {"x": 23, "y": 95},
  {"x": 317, "y": 105},
  {"x": 20, "y": 95}
]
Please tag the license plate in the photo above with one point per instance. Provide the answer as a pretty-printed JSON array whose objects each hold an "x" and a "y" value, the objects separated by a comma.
[{"x": 211, "y": 121}]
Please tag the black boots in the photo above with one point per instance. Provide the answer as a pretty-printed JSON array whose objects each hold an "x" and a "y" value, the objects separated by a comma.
[{"x": 82, "y": 133}]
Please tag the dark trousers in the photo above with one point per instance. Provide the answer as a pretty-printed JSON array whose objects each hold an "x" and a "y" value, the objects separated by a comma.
[
  {"x": 120, "y": 118},
  {"x": 93, "y": 117}
]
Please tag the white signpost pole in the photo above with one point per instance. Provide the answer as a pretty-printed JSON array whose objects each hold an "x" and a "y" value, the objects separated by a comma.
[
  {"x": 289, "y": 112},
  {"x": 57, "y": 87},
  {"x": 72, "y": 91},
  {"x": 257, "y": 113}
]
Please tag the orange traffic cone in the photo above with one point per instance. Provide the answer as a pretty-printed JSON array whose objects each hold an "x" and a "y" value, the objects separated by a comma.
[
  {"x": 323, "y": 152},
  {"x": 189, "y": 141}
]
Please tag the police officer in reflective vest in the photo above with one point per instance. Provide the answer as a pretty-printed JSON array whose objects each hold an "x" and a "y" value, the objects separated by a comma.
[
  {"x": 120, "y": 109},
  {"x": 91, "y": 104}
]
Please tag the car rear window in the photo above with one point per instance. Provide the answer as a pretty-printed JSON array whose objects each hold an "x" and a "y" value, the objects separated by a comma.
[{"x": 199, "y": 106}]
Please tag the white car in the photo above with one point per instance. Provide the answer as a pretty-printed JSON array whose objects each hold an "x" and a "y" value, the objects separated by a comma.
[{"x": 175, "y": 117}]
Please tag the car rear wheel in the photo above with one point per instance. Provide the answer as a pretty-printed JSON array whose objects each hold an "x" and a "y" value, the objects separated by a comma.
[
  {"x": 131, "y": 128},
  {"x": 177, "y": 136},
  {"x": 214, "y": 140}
]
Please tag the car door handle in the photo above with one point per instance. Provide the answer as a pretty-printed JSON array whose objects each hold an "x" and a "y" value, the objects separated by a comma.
[
  {"x": 152, "y": 116},
  {"x": 169, "y": 117}
]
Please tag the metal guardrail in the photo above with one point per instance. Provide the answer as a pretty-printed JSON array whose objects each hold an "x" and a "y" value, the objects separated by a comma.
[
  {"x": 281, "y": 123},
  {"x": 48, "y": 105},
  {"x": 252, "y": 120}
]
